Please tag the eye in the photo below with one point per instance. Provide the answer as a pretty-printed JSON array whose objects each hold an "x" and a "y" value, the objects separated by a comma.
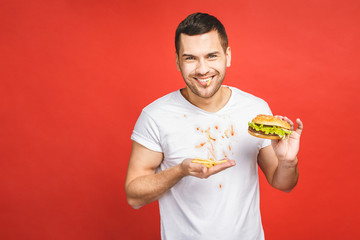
[
  {"x": 189, "y": 58},
  {"x": 211, "y": 56}
]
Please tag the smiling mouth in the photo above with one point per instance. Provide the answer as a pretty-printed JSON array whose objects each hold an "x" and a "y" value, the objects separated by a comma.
[{"x": 205, "y": 81}]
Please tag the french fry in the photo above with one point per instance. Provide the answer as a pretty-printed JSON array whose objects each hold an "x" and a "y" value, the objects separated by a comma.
[
  {"x": 207, "y": 163},
  {"x": 219, "y": 162}
]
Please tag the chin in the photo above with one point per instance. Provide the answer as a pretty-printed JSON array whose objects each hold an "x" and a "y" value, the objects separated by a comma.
[{"x": 206, "y": 92}]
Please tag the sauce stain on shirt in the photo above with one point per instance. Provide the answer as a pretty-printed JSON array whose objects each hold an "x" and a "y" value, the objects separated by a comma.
[{"x": 210, "y": 137}]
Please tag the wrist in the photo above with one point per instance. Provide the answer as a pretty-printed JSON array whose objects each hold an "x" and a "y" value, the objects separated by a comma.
[{"x": 182, "y": 170}]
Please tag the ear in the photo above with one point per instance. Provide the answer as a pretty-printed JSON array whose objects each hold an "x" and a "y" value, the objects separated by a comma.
[
  {"x": 177, "y": 61},
  {"x": 228, "y": 57}
]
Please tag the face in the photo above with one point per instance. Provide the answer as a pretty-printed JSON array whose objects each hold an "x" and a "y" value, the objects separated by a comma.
[{"x": 202, "y": 62}]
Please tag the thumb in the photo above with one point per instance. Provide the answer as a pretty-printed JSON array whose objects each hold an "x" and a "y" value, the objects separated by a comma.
[{"x": 300, "y": 126}]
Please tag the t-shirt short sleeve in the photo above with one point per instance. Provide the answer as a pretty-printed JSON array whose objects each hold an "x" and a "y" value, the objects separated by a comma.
[
  {"x": 266, "y": 143},
  {"x": 146, "y": 133}
]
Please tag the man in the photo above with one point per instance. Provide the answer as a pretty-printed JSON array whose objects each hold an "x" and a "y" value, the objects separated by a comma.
[{"x": 206, "y": 120}]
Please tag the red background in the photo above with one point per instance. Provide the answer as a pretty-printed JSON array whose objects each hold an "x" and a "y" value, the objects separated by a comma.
[{"x": 76, "y": 74}]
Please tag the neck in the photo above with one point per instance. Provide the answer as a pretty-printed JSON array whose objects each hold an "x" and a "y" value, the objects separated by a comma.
[{"x": 211, "y": 104}]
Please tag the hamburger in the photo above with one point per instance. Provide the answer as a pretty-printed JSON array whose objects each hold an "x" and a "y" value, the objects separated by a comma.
[{"x": 269, "y": 127}]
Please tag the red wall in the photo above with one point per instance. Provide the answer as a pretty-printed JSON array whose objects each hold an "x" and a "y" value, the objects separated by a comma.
[{"x": 76, "y": 74}]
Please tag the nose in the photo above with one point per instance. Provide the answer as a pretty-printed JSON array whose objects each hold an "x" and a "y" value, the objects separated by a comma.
[{"x": 202, "y": 67}]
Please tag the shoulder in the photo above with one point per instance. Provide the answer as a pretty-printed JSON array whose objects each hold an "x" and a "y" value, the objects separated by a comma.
[
  {"x": 166, "y": 107},
  {"x": 245, "y": 98},
  {"x": 162, "y": 103}
]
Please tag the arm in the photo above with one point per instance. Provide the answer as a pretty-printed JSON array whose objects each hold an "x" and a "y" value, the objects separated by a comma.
[
  {"x": 279, "y": 161},
  {"x": 143, "y": 185}
]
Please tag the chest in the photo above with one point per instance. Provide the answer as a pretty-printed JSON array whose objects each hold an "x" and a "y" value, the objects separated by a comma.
[{"x": 208, "y": 137}]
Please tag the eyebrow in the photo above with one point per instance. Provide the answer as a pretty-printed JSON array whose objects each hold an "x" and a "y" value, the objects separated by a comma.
[
  {"x": 187, "y": 55},
  {"x": 190, "y": 55},
  {"x": 212, "y": 53}
]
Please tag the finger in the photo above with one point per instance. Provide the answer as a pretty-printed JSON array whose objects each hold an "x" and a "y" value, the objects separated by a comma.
[
  {"x": 300, "y": 126},
  {"x": 227, "y": 164},
  {"x": 286, "y": 119},
  {"x": 289, "y": 121},
  {"x": 283, "y": 118},
  {"x": 222, "y": 166}
]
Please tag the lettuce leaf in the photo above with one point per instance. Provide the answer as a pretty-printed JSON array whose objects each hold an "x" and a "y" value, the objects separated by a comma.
[{"x": 270, "y": 129}]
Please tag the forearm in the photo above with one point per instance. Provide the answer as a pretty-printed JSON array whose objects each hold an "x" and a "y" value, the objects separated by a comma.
[
  {"x": 285, "y": 176},
  {"x": 146, "y": 189}
]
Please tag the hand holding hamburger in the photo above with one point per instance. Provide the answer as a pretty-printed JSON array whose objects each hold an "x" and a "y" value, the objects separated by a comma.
[{"x": 278, "y": 129}]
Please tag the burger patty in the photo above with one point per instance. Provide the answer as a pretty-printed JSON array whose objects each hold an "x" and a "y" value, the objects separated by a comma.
[{"x": 261, "y": 132}]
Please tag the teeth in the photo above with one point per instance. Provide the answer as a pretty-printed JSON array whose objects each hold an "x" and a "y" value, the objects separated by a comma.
[{"x": 204, "y": 80}]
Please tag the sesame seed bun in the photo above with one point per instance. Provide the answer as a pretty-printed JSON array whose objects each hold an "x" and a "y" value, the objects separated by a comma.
[{"x": 271, "y": 121}]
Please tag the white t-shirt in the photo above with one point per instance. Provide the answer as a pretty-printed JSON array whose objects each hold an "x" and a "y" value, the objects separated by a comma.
[{"x": 226, "y": 205}]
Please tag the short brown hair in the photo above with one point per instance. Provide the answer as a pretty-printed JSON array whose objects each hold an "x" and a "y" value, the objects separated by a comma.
[{"x": 199, "y": 23}]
